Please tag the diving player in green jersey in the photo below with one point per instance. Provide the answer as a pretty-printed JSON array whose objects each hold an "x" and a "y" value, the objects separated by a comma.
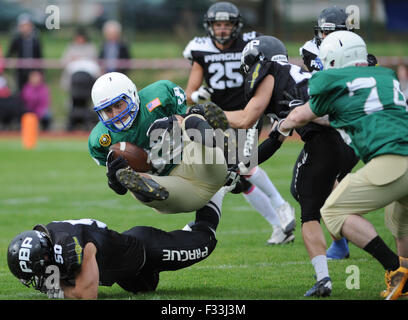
[
  {"x": 368, "y": 105},
  {"x": 131, "y": 116}
]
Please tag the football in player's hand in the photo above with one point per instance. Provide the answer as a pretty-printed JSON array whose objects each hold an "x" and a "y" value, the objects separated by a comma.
[{"x": 135, "y": 156}]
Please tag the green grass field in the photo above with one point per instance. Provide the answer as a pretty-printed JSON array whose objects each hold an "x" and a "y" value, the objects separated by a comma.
[{"x": 58, "y": 180}]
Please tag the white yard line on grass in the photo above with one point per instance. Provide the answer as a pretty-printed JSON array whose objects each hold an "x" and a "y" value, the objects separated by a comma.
[{"x": 270, "y": 264}]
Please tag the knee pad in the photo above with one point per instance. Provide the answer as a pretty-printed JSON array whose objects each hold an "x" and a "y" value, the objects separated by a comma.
[{"x": 198, "y": 130}]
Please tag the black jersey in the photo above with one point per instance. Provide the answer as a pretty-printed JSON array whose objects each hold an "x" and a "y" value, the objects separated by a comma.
[
  {"x": 221, "y": 69},
  {"x": 134, "y": 258},
  {"x": 288, "y": 77},
  {"x": 119, "y": 256}
]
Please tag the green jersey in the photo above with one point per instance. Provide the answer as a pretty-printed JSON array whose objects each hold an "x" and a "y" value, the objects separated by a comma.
[
  {"x": 367, "y": 103},
  {"x": 159, "y": 99}
]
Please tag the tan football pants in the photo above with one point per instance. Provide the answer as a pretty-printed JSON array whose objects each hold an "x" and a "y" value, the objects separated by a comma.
[
  {"x": 382, "y": 182},
  {"x": 192, "y": 183}
]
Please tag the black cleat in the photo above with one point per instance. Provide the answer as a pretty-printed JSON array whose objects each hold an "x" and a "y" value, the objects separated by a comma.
[
  {"x": 322, "y": 288},
  {"x": 145, "y": 189}
]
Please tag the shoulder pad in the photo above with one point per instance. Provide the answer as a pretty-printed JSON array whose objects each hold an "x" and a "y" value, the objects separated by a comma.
[
  {"x": 309, "y": 46},
  {"x": 199, "y": 44}
]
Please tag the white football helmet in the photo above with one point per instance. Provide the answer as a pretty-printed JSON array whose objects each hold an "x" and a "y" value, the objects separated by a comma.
[
  {"x": 342, "y": 49},
  {"x": 109, "y": 89}
]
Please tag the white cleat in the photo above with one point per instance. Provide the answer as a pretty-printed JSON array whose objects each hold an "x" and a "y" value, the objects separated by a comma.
[
  {"x": 280, "y": 237},
  {"x": 286, "y": 215}
]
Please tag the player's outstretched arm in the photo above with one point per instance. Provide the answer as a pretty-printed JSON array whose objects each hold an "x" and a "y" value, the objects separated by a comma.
[
  {"x": 297, "y": 118},
  {"x": 246, "y": 118},
  {"x": 87, "y": 280}
]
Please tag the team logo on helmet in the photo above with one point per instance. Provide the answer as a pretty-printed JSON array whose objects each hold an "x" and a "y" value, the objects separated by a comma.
[{"x": 105, "y": 140}]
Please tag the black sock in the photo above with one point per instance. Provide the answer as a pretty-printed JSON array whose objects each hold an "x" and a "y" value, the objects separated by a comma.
[{"x": 380, "y": 251}]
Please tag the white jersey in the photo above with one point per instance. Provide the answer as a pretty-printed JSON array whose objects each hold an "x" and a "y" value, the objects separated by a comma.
[{"x": 309, "y": 52}]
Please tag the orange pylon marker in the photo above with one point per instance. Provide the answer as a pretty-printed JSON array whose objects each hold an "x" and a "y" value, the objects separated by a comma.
[{"x": 29, "y": 130}]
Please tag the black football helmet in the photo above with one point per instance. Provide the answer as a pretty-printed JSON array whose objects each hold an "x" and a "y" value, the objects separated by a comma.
[
  {"x": 28, "y": 256},
  {"x": 330, "y": 19},
  {"x": 223, "y": 11},
  {"x": 263, "y": 48}
]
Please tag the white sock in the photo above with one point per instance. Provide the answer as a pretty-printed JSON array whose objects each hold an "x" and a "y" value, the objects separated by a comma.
[
  {"x": 260, "y": 202},
  {"x": 260, "y": 179},
  {"x": 320, "y": 265}
]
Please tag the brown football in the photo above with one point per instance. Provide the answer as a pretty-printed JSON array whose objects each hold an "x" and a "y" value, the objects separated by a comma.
[{"x": 135, "y": 156}]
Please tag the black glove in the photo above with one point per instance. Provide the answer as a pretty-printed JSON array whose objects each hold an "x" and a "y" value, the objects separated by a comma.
[
  {"x": 113, "y": 166},
  {"x": 372, "y": 60},
  {"x": 291, "y": 102}
]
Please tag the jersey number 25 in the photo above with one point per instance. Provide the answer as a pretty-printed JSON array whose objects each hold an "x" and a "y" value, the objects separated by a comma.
[{"x": 230, "y": 70}]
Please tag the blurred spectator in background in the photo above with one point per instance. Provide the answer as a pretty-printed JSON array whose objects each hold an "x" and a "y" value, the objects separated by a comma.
[
  {"x": 11, "y": 107},
  {"x": 402, "y": 73},
  {"x": 113, "y": 48},
  {"x": 81, "y": 70},
  {"x": 80, "y": 55},
  {"x": 36, "y": 98},
  {"x": 5, "y": 91},
  {"x": 25, "y": 44},
  {"x": 80, "y": 48}
]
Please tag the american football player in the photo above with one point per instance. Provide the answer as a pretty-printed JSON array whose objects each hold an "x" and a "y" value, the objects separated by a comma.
[
  {"x": 367, "y": 103},
  {"x": 153, "y": 118},
  {"x": 216, "y": 60},
  {"x": 270, "y": 78},
  {"x": 86, "y": 254},
  {"x": 330, "y": 19}
]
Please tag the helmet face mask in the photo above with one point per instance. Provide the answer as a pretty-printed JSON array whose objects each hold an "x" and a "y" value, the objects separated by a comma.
[
  {"x": 223, "y": 11},
  {"x": 263, "y": 48},
  {"x": 121, "y": 121},
  {"x": 29, "y": 254},
  {"x": 110, "y": 89}
]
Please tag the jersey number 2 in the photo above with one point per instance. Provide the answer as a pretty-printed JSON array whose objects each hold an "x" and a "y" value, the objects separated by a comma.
[{"x": 373, "y": 103}]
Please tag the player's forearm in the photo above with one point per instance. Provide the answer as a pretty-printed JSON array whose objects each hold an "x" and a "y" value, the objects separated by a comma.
[
  {"x": 292, "y": 121},
  {"x": 323, "y": 121},
  {"x": 241, "y": 119},
  {"x": 297, "y": 118},
  {"x": 73, "y": 292}
]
